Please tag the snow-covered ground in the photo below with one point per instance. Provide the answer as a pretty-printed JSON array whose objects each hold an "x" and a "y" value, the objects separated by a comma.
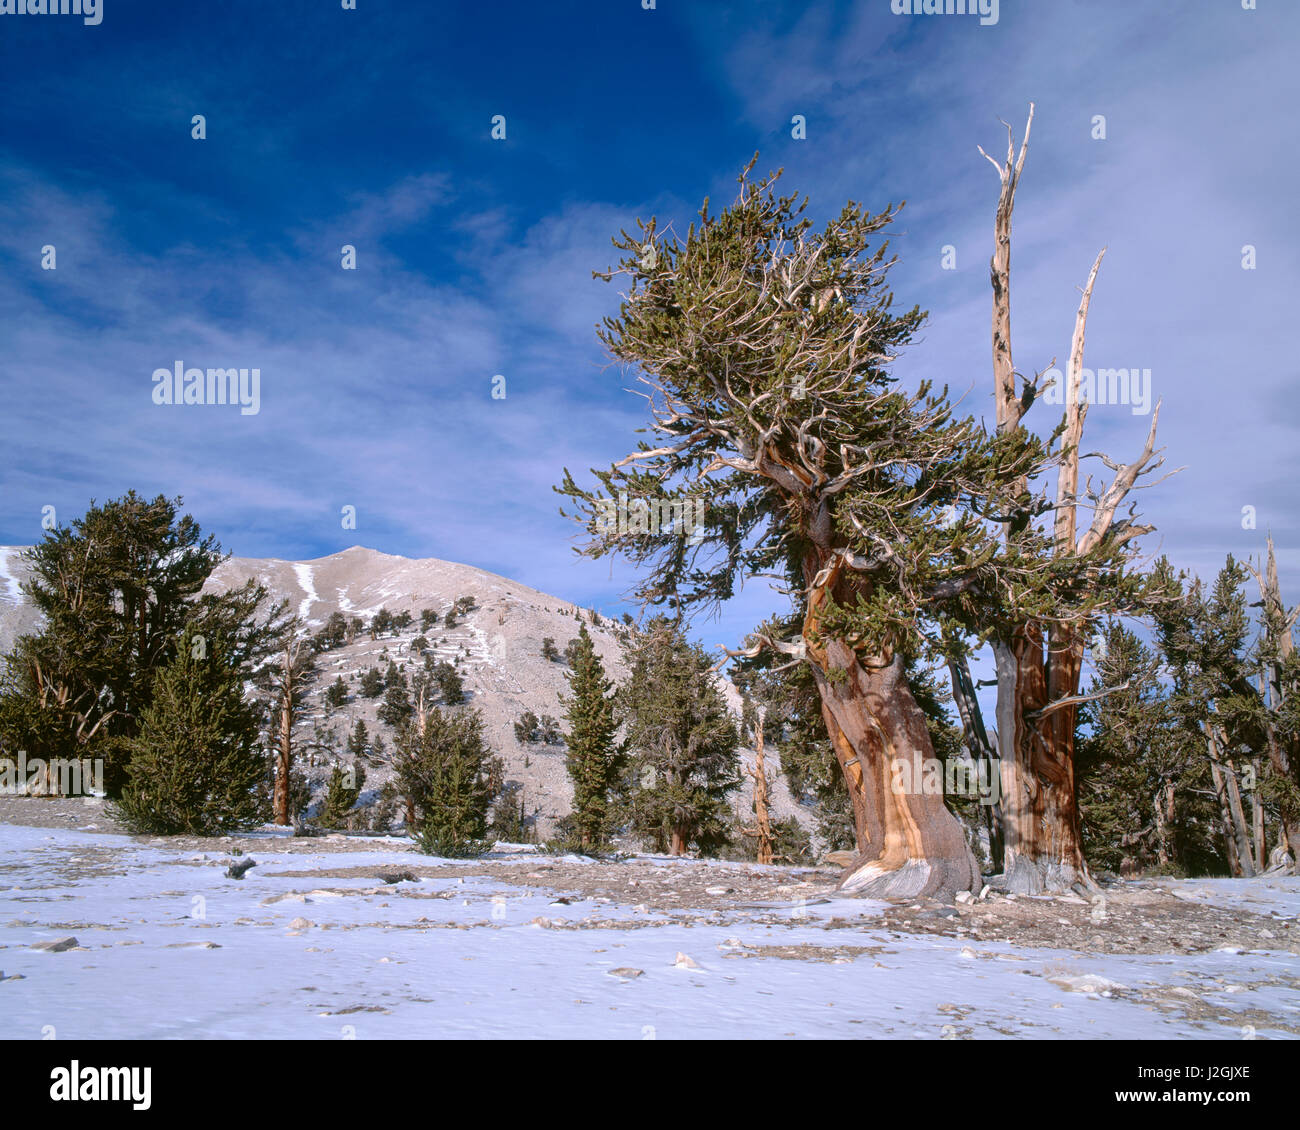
[{"x": 168, "y": 947}]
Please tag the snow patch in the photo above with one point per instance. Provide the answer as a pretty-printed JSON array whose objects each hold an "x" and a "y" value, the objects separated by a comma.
[
  {"x": 306, "y": 582},
  {"x": 11, "y": 594}
]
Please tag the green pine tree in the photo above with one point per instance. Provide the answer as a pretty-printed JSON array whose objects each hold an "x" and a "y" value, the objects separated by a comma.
[
  {"x": 594, "y": 760},
  {"x": 1145, "y": 793},
  {"x": 443, "y": 769},
  {"x": 115, "y": 591},
  {"x": 341, "y": 794},
  {"x": 683, "y": 741},
  {"x": 196, "y": 767}
]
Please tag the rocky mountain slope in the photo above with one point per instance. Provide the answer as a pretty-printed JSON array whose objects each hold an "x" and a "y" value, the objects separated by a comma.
[{"x": 497, "y": 649}]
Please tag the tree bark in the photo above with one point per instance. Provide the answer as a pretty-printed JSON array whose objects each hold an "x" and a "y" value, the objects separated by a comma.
[
  {"x": 1038, "y": 676},
  {"x": 284, "y": 755},
  {"x": 1043, "y": 847},
  {"x": 908, "y": 843},
  {"x": 1225, "y": 784},
  {"x": 980, "y": 749},
  {"x": 761, "y": 814},
  {"x": 1283, "y": 751},
  {"x": 284, "y": 758}
]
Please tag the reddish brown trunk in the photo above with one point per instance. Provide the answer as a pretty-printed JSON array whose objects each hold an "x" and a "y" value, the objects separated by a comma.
[
  {"x": 678, "y": 843},
  {"x": 283, "y": 764},
  {"x": 908, "y": 843},
  {"x": 1043, "y": 845}
]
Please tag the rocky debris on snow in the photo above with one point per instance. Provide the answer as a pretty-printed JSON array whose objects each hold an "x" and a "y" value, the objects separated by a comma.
[
  {"x": 239, "y": 868},
  {"x": 1088, "y": 983},
  {"x": 57, "y": 945}
]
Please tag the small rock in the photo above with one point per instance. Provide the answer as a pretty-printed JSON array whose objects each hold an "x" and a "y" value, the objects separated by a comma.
[
  {"x": 236, "y": 870},
  {"x": 718, "y": 890},
  {"x": 984, "y": 892},
  {"x": 626, "y": 972},
  {"x": 57, "y": 946},
  {"x": 301, "y": 924},
  {"x": 964, "y": 896},
  {"x": 685, "y": 961},
  {"x": 1088, "y": 983},
  {"x": 391, "y": 877}
]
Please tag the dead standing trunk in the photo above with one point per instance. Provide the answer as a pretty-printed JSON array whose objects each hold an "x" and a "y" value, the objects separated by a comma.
[
  {"x": 1039, "y": 668},
  {"x": 1236, "y": 833},
  {"x": 1283, "y": 749},
  {"x": 284, "y": 752},
  {"x": 980, "y": 749},
  {"x": 762, "y": 816}
]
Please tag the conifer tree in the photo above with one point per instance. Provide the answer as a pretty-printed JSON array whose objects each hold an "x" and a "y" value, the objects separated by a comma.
[
  {"x": 116, "y": 590},
  {"x": 287, "y": 684},
  {"x": 372, "y": 683},
  {"x": 449, "y": 683},
  {"x": 396, "y": 708},
  {"x": 196, "y": 767},
  {"x": 594, "y": 759},
  {"x": 764, "y": 346},
  {"x": 683, "y": 742},
  {"x": 442, "y": 770},
  {"x": 1145, "y": 794},
  {"x": 341, "y": 794},
  {"x": 337, "y": 694}
]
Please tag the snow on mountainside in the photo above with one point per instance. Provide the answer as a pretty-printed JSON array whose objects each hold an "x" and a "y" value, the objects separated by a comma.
[{"x": 497, "y": 649}]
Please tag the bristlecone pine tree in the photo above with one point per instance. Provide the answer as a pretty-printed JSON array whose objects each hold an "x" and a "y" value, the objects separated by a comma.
[
  {"x": 683, "y": 742},
  {"x": 442, "y": 767},
  {"x": 286, "y": 684},
  {"x": 116, "y": 590},
  {"x": 764, "y": 348},
  {"x": 196, "y": 767},
  {"x": 1039, "y": 656},
  {"x": 1225, "y": 690},
  {"x": 594, "y": 758},
  {"x": 1145, "y": 794}
]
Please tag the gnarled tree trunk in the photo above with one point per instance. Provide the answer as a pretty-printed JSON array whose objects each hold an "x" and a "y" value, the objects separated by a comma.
[
  {"x": 1042, "y": 845},
  {"x": 1039, "y": 669},
  {"x": 908, "y": 843}
]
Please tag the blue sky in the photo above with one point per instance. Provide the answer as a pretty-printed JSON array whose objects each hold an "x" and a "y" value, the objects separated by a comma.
[{"x": 372, "y": 128}]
